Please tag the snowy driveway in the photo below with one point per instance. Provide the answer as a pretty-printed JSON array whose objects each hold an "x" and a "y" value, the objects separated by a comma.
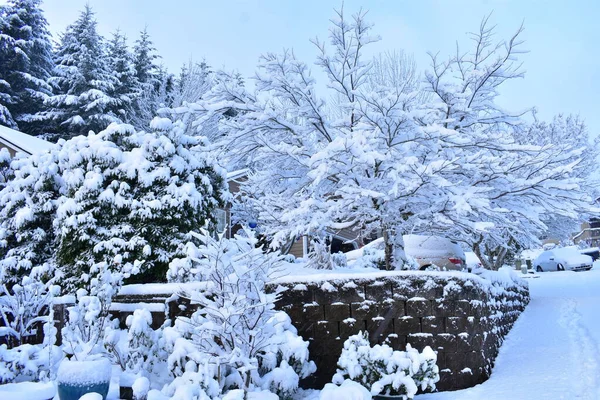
[{"x": 553, "y": 350}]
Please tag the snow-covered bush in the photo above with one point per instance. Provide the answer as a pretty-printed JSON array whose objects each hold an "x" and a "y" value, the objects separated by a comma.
[
  {"x": 385, "y": 371},
  {"x": 320, "y": 254},
  {"x": 28, "y": 363},
  {"x": 6, "y": 172},
  {"x": 339, "y": 260},
  {"x": 137, "y": 350},
  {"x": 132, "y": 197},
  {"x": 25, "y": 309},
  {"x": 372, "y": 258},
  {"x": 236, "y": 339},
  {"x": 84, "y": 330}
]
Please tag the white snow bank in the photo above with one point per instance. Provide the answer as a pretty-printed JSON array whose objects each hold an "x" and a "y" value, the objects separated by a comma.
[
  {"x": 349, "y": 390},
  {"x": 238, "y": 394},
  {"x": 28, "y": 391},
  {"x": 91, "y": 396},
  {"x": 160, "y": 288},
  {"x": 131, "y": 307}
]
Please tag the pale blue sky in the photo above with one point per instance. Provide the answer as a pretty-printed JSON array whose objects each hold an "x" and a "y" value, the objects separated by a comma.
[{"x": 562, "y": 36}]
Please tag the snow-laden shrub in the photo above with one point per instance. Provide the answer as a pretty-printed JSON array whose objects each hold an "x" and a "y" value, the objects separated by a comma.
[
  {"x": 385, "y": 371},
  {"x": 25, "y": 309},
  {"x": 6, "y": 172},
  {"x": 339, "y": 260},
  {"x": 372, "y": 258},
  {"x": 84, "y": 331},
  {"x": 320, "y": 254},
  {"x": 132, "y": 197},
  {"x": 136, "y": 350},
  {"x": 121, "y": 199},
  {"x": 236, "y": 339},
  {"x": 28, "y": 363}
]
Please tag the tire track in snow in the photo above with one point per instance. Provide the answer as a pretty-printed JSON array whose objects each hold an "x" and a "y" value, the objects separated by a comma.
[{"x": 584, "y": 350}]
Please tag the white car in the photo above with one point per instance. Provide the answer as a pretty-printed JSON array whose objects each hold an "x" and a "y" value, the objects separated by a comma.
[
  {"x": 562, "y": 259},
  {"x": 430, "y": 252}
]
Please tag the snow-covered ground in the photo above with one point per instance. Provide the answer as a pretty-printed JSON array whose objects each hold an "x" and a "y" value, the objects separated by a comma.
[{"x": 553, "y": 351}]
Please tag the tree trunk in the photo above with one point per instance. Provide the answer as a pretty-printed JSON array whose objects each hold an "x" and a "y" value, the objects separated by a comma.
[
  {"x": 389, "y": 251},
  {"x": 395, "y": 258}
]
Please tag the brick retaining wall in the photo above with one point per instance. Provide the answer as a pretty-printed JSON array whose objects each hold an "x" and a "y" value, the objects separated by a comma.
[{"x": 462, "y": 317}]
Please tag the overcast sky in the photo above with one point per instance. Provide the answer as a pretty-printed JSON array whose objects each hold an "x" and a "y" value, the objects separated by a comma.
[{"x": 562, "y": 73}]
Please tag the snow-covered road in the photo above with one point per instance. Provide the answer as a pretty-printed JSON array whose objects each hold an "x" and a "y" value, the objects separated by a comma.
[{"x": 553, "y": 351}]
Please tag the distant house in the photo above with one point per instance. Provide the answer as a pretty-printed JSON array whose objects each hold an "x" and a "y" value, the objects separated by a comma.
[
  {"x": 590, "y": 233},
  {"x": 19, "y": 142},
  {"x": 341, "y": 240}
]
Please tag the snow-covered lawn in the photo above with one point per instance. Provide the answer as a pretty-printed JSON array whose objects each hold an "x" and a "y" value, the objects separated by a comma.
[{"x": 553, "y": 350}]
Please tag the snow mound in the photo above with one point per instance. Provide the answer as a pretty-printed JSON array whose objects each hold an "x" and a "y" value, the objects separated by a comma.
[{"x": 348, "y": 390}]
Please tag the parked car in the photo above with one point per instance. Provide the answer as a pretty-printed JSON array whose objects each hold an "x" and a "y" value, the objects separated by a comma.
[
  {"x": 430, "y": 252},
  {"x": 435, "y": 252},
  {"x": 473, "y": 262},
  {"x": 561, "y": 259}
]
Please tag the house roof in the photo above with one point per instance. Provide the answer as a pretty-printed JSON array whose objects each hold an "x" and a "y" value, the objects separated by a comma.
[
  {"x": 233, "y": 175},
  {"x": 22, "y": 142}
]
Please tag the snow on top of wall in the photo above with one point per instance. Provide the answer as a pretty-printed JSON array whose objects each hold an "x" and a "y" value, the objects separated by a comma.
[
  {"x": 300, "y": 275},
  {"x": 22, "y": 142},
  {"x": 160, "y": 288}
]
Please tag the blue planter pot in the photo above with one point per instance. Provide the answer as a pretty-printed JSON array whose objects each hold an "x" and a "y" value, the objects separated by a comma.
[
  {"x": 76, "y": 378},
  {"x": 69, "y": 391}
]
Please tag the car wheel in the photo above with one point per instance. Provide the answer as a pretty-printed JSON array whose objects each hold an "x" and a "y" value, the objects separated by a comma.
[
  {"x": 539, "y": 269},
  {"x": 560, "y": 267},
  {"x": 429, "y": 268}
]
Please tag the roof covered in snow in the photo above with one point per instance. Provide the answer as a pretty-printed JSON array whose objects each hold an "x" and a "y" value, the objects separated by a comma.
[
  {"x": 232, "y": 175},
  {"x": 22, "y": 142}
]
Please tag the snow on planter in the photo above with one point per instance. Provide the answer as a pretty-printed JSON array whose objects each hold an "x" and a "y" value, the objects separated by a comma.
[{"x": 77, "y": 378}]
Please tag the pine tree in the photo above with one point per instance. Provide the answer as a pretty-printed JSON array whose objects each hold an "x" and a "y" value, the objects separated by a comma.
[
  {"x": 120, "y": 61},
  {"x": 144, "y": 56},
  {"x": 83, "y": 83},
  {"x": 25, "y": 64}
]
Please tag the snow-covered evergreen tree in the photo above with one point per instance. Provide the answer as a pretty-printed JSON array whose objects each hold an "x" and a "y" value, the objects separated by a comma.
[
  {"x": 25, "y": 63},
  {"x": 144, "y": 56},
  {"x": 131, "y": 198},
  {"x": 120, "y": 62},
  {"x": 6, "y": 171},
  {"x": 27, "y": 212},
  {"x": 83, "y": 83}
]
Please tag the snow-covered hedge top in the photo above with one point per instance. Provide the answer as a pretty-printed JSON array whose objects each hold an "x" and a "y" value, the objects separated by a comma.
[
  {"x": 505, "y": 277},
  {"x": 144, "y": 289}
]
